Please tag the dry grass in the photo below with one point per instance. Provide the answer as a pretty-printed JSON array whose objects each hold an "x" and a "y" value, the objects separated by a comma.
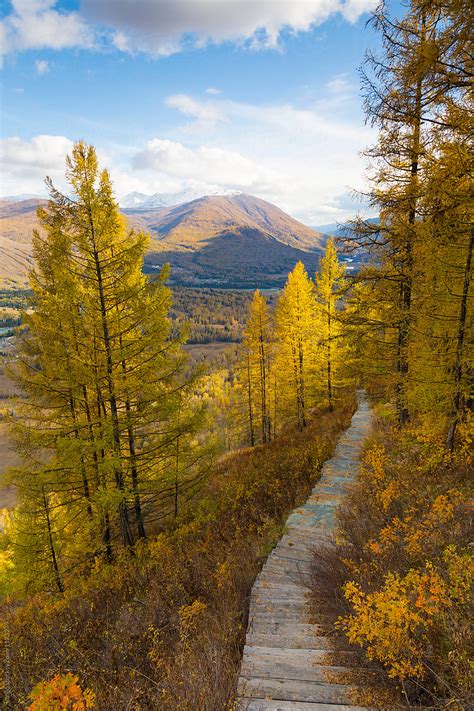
[
  {"x": 326, "y": 580},
  {"x": 164, "y": 628},
  {"x": 409, "y": 506}
]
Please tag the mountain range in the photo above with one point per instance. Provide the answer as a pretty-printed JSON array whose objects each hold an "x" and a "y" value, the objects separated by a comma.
[
  {"x": 338, "y": 229},
  {"x": 235, "y": 240},
  {"x": 142, "y": 201}
]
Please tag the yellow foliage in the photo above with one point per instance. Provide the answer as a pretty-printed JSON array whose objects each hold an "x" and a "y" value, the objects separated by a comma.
[
  {"x": 393, "y": 621},
  {"x": 223, "y": 574},
  {"x": 62, "y": 692},
  {"x": 189, "y": 615},
  {"x": 409, "y": 570}
]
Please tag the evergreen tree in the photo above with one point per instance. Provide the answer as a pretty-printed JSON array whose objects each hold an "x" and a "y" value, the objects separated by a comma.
[
  {"x": 296, "y": 346},
  {"x": 107, "y": 403},
  {"x": 329, "y": 285},
  {"x": 257, "y": 356}
]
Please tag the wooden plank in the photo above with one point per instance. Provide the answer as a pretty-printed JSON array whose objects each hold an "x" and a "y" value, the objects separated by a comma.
[
  {"x": 307, "y": 658},
  {"x": 279, "y": 671},
  {"x": 295, "y": 641},
  {"x": 296, "y": 608},
  {"x": 270, "y": 617},
  {"x": 288, "y": 662},
  {"x": 264, "y": 596},
  {"x": 287, "y": 629},
  {"x": 293, "y": 690},
  {"x": 270, "y": 705}
]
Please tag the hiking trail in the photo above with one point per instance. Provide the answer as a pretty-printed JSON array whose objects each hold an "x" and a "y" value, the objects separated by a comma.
[{"x": 285, "y": 662}]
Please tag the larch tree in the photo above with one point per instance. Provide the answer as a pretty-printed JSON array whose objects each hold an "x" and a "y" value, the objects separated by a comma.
[
  {"x": 256, "y": 348},
  {"x": 445, "y": 325},
  {"x": 443, "y": 340},
  {"x": 414, "y": 305},
  {"x": 400, "y": 93},
  {"x": 295, "y": 331},
  {"x": 103, "y": 381},
  {"x": 330, "y": 284}
]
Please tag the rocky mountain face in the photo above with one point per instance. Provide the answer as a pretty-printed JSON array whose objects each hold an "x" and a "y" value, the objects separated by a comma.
[{"x": 226, "y": 240}]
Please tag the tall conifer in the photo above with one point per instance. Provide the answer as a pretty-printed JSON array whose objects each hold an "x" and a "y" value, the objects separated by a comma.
[
  {"x": 329, "y": 286},
  {"x": 296, "y": 338},
  {"x": 106, "y": 404},
  {"x": 257, "y": 355}
]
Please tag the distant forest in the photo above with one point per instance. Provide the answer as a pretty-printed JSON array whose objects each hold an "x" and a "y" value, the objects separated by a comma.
[{"x": 211, "y": 315}]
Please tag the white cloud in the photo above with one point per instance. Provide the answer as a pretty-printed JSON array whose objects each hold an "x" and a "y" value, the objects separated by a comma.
[
  {"x": 353, "y": 9},
  {"x": 206, "y": 114},
  {"x": 205, "y": 165},
  {"x": 317, "y": 120},
  {"x": 42, "y": 66},
  {"x": 163, "y": 27},
  {"x": 339, "y": 84},
  {"x": 212, "y": 90},
  {"x": 26, "y": 163},
  {"x": 36, "y": 24}
]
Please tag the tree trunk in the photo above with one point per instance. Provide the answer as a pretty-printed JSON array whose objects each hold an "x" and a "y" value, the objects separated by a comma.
[
  {"x": 301, "y": 385},
  {"x": 252, "y": 435},
  {"x": 329, "y": 364},
  {"x": 124, "y": 521},
  {"x": 406, "y": 282},
  {"x": 57, "y": 577},
  {"x": 263, "y": 388},
  {"x": 134, "y": 470},
  {"x": 106, "y": 536},
  {"x": 458, "y": 370},
  {"x": 85, "y": 481}
]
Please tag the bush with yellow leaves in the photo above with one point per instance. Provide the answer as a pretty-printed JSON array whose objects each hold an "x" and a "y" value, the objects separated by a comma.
[
  {"x": 61, "y": 693},
  {"x": 407, "y": 562}
]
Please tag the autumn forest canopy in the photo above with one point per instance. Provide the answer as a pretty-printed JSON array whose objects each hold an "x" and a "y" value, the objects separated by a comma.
[{"x": 153, "y": 481}]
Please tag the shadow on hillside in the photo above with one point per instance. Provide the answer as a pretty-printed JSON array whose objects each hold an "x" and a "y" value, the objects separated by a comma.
[{"x": 245, "y": 257}]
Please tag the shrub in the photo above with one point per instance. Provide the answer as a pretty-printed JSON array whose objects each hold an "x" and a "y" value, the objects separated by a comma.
[
  {"x": 164, "y": 628},
  {"x": 404, "y": 562},
  {"x": 61, "y": 693}
]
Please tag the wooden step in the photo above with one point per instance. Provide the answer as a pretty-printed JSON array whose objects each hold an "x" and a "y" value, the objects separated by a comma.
[
  {"x": 270, "y": 705},
  {"x": 289, "y": 662},
  {"x": 295, "y": 641},
  {"x": 293, "y": 690}
]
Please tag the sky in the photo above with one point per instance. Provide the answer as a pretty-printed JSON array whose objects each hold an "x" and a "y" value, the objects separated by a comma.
[{"x": 207, "y": 96}]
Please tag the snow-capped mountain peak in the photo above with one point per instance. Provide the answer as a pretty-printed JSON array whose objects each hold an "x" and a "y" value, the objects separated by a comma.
[{"x": 141, "y": 201}]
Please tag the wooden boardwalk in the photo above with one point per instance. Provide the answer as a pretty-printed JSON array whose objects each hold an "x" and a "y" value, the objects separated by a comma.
[{"x": 285, "y": 663}]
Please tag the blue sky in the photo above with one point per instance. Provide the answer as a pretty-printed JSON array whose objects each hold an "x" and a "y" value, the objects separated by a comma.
[{"x": 197, "y": 95}]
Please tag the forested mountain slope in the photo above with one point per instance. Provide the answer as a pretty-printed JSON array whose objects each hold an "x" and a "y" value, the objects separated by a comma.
[{"x": 236, "y": 240}]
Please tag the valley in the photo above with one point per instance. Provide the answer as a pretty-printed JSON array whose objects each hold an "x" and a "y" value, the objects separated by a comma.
[{"x": 213, "y": 320}]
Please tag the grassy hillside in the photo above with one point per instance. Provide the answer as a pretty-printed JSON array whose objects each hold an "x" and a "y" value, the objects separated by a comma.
[
  {"x": 164, "y": 628},
  {"x": 399, "y": 581}
]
